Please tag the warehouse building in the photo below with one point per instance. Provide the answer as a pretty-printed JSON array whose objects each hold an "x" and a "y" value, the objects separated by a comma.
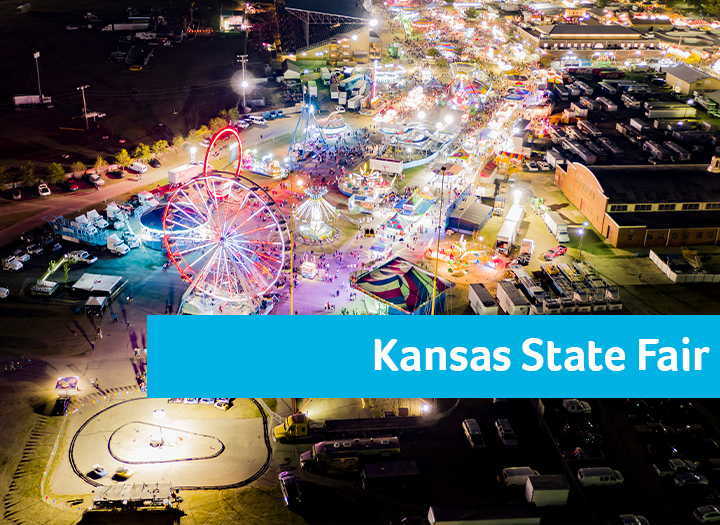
[{"x": 647, "y": 206}]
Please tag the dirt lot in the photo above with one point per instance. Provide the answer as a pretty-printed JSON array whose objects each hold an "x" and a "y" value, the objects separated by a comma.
[{"x": 192, "y": 79}]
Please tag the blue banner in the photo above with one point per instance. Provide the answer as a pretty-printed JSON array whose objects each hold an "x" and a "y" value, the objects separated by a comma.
[{"x": 443, "y": 356}]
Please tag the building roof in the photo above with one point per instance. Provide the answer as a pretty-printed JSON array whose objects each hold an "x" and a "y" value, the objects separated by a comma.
[
  {"x": 686, "y": 73},
  {"x": 668, "y": 219},
  {"x": 658, "y": 184},
  {"x": 587, "y": 30},
  {"x": 349, "y": 8}
]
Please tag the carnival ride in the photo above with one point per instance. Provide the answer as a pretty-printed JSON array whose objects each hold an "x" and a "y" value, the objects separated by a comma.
[
  {"x": 365, "y": 183},
  {"x": 307, "y": 132},
  {"x": 227, "y": 238},
  {"x": 315, "y": 217},
  {"x": 467, "y": 88},
  {"x": 333, "y": 125}
]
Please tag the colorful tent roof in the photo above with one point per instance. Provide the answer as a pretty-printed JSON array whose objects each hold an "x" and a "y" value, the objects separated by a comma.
[
  {"x": 433, "y": 83},
  {"x": 397, "y": 223},
  {"x": 381, "y": 245},
  {"x": 460, "y": 154},
  {"x": 401, "y": 284}
]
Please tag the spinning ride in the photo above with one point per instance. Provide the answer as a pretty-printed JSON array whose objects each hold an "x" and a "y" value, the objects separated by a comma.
[
  {"x": 227, "y": 238},
  {"x": 314, "y": 215}
]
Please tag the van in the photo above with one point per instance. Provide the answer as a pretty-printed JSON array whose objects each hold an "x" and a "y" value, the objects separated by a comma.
[
  {"x": 256, "y": 120},
  {"x": 138, "y": 167},
  {"x": 516, "y": 476},
  {"x": 600, "y": 476},
  {"x": 506, "y": 434}
]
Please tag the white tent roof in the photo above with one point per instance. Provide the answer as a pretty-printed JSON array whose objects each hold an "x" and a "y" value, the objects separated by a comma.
[
  {"x": 81, "y": 219},
  {"x": 93, "y": 214},
  {"x": 92, "y": 282}
]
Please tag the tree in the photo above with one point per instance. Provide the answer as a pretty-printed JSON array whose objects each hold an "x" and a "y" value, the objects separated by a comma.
[
  {"x": 233, "y": 114},
  {"x": 471, "y": 13},
  {"x": 123, "y": 158},
  {"x": 432, "y": 52},
  {"x": 27, "y": 174},
  {"x": 178, "y": 142},
  {"x": 194, "y": 136},
  {"x": 450, "y": 2},
  {"x": 77, "y": 166},
  {"x": 459, "y": 50},
  {"x": 5, "y": 177},
  {"x": 217, "y": 124},
  {"x": 142, "y": 152},
  {"x": 442, "y": 62},
  {"x": 100, "y": 163},
  {"x": 160, "y": 147},
  {"x": 55, "y": 173},
  {"x": 223, "y": 115},
  {"x": 203, "y": 131}
]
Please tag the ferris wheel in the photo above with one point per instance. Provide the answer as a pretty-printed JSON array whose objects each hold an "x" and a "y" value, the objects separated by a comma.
[{"x": 227, "y": 237}]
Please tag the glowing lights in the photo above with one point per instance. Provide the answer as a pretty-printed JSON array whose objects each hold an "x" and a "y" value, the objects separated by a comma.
[
  {"x": 426, "y": 408},
  {"x": 448, "y": 119},
  {"x": 354, "y": 37},
  {"x": 224, "y": 131},
  {"x": 421, "y": 115},
  {"x": 373, "y": 23},
  {"x": 244, "y": 84}
]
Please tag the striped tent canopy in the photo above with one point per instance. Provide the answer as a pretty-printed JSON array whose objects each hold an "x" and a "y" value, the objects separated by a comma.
[
  {"x": 460, "y": 154},
  {"x": 401, "y": 284},
  {"x": 397, "y": 223}
]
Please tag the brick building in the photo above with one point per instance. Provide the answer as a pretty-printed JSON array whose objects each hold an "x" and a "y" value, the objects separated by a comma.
[{"x": 636, "y": 206}]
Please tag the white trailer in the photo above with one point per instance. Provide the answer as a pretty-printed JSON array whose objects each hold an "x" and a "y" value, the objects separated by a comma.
[
  {"x": 342, "y": 98},
  {"x": 31, "y": 100},
  {"x": 547, "y": 491},
  {"x": 334, "y": 91},
  {"x": 511, "y": 299},
  {"x": 325, "y": 74},
  {"x": 481, "y": 300},
  {"x": 677, "y": 152},
  {"x": 393, "y": 166},
  {"x": 554, "y": 158},
  {"x": 670, "y": 112},
  {"x": 184, "y": 173},
  {"x": 608, "y": 105},
  {"x": 355, "y": 102},
  {"x": 639, "y": 125},
  {"x": 557, "y": 226}
]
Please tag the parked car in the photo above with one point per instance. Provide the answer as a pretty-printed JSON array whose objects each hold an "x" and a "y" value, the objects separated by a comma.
[
  {"x": 16, "y": 194},
  {"x": 34, "y": 249},
  {"x": 242, "y": 124},
  {"x": 99, "y": 471},
  {"x": 544, "y": 166},
  {"x": 43, "y": 190},
  {"x": 531, "y": 166},
  {"x": 506, "y": 433},
  {"x": 280, "y": 113},
  {"x": 663, "y": 450},
  {"x": 96, "y": 180},
  {"x": 473, "y": 434},
  {"x": 340, "y": 109},
  {"x": 4, "y": 292},
  {"x": 630, "y": 519},
  {"x": 123, "y": 473},
  {"x": 689, "y": 479},
  {"x": 290, "y": 488},
  {"x": 707, "y": 514},
  {"x": 135, "y": 68},
  {"x": 120, "y": 174},
  {"x": 552, "y": 253},
  {"x": 154, "y": 163},
  {"x": 72, "y": 185},
  {"x": 21, "y": 255},
  {"x": 11, "y": 264}
]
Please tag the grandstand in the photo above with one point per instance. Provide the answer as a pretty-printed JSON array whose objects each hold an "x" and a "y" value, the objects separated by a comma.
[{"x": 308, "y": 24}]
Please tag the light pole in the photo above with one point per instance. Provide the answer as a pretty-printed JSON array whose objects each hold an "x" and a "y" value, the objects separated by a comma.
[
  {"x": 83, "y": 88},
  {"x": 243, "y": 60},
  {"x": 292, "y": 244},
  {"x": 193, "y": 151},
  {"x": 581, "y": 233},
  {"x": 159, "y": 415},
  {"x": 437, "y": 245}
]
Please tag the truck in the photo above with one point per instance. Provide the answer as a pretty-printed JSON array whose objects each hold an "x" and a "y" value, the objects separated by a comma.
[
  {"x": 585, "y": 88},
  {"x": 670, "y": 112},
  {"x": 131, "y": 239},
  {"x": 390, "y": 475},
  {"x": 597, "y": 151},
  {"x": 488, "y": 514},
  {"x": 298, "y": 428},
  {"x": 312, "y": 88},
  {"x": 673, "y": 466},
  {"x": 561, "y": 93},
  {"x": 554, "y": 158},
  {"x": 355, "y": 102},
  {"x": 557, "y": 134},
  {"x": 575, "y": 406},
  {"x": 511, "y": 299},
  {"x": 12, "y": 264},
  {"x": 481, "y": 300},
  {"x": 342, "y": 98},
  {"x": 547, "y": 491},
  {"x": 706, "y": 102},
  {"x": 639, "y": 125},
  {"x": 630, "y": 102},
  {"x": 506, "y": 237},
  {"x": 31, "y": 100},
  {"x": 527, "y": 247},
  {"x": 348, "y": 455},
  {"x": 21, "y": 9},
  {"x": 326, "y": 75},
  {"x": 132, "y": 26},
  {"x": 184, "y": 173},
  {"x": 557, "y": 226},
  {"x": 610, "y": 146},
  {"x": 677, "y": 152},
  {"x": 116, "y": 246},
  {"x": 656, "y": 150},
  {"x": 693, "y": 137},
  {"x": 334, "y": 92},
  {"x": 588, "y": 128},
  {"x": 97, "y": 220},
  {"x": 607, "y": 105},
  {"x": 590, "y": 104}
]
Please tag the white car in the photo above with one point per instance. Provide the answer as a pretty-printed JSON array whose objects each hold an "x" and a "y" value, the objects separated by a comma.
[
  {"x": 544, "y": 166},
  {"x": 242, "y": 124},
  {"x": 4, "y": 292},
  {"x": 96, "y": 179},
  {"x": 707, "y": 514},
  {"x": 531, "y": 166},
  {"x": 11, "y": 264},
  {"x": 21, "y": 255},
  {"x": 43, "y": 190},
  {"x": 340, "y": 109}
]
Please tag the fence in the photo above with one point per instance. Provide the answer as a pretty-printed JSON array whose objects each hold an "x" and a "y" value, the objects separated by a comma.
[{"x": 682, "y": 277}]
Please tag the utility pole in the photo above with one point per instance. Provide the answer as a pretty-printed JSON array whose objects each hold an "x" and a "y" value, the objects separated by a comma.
[
  {"x": 243, "y": 60},
  {"x": 37, "y": 66},
  {"x": 437, "y": 245},
  {"x": 83, "y": 88}
]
